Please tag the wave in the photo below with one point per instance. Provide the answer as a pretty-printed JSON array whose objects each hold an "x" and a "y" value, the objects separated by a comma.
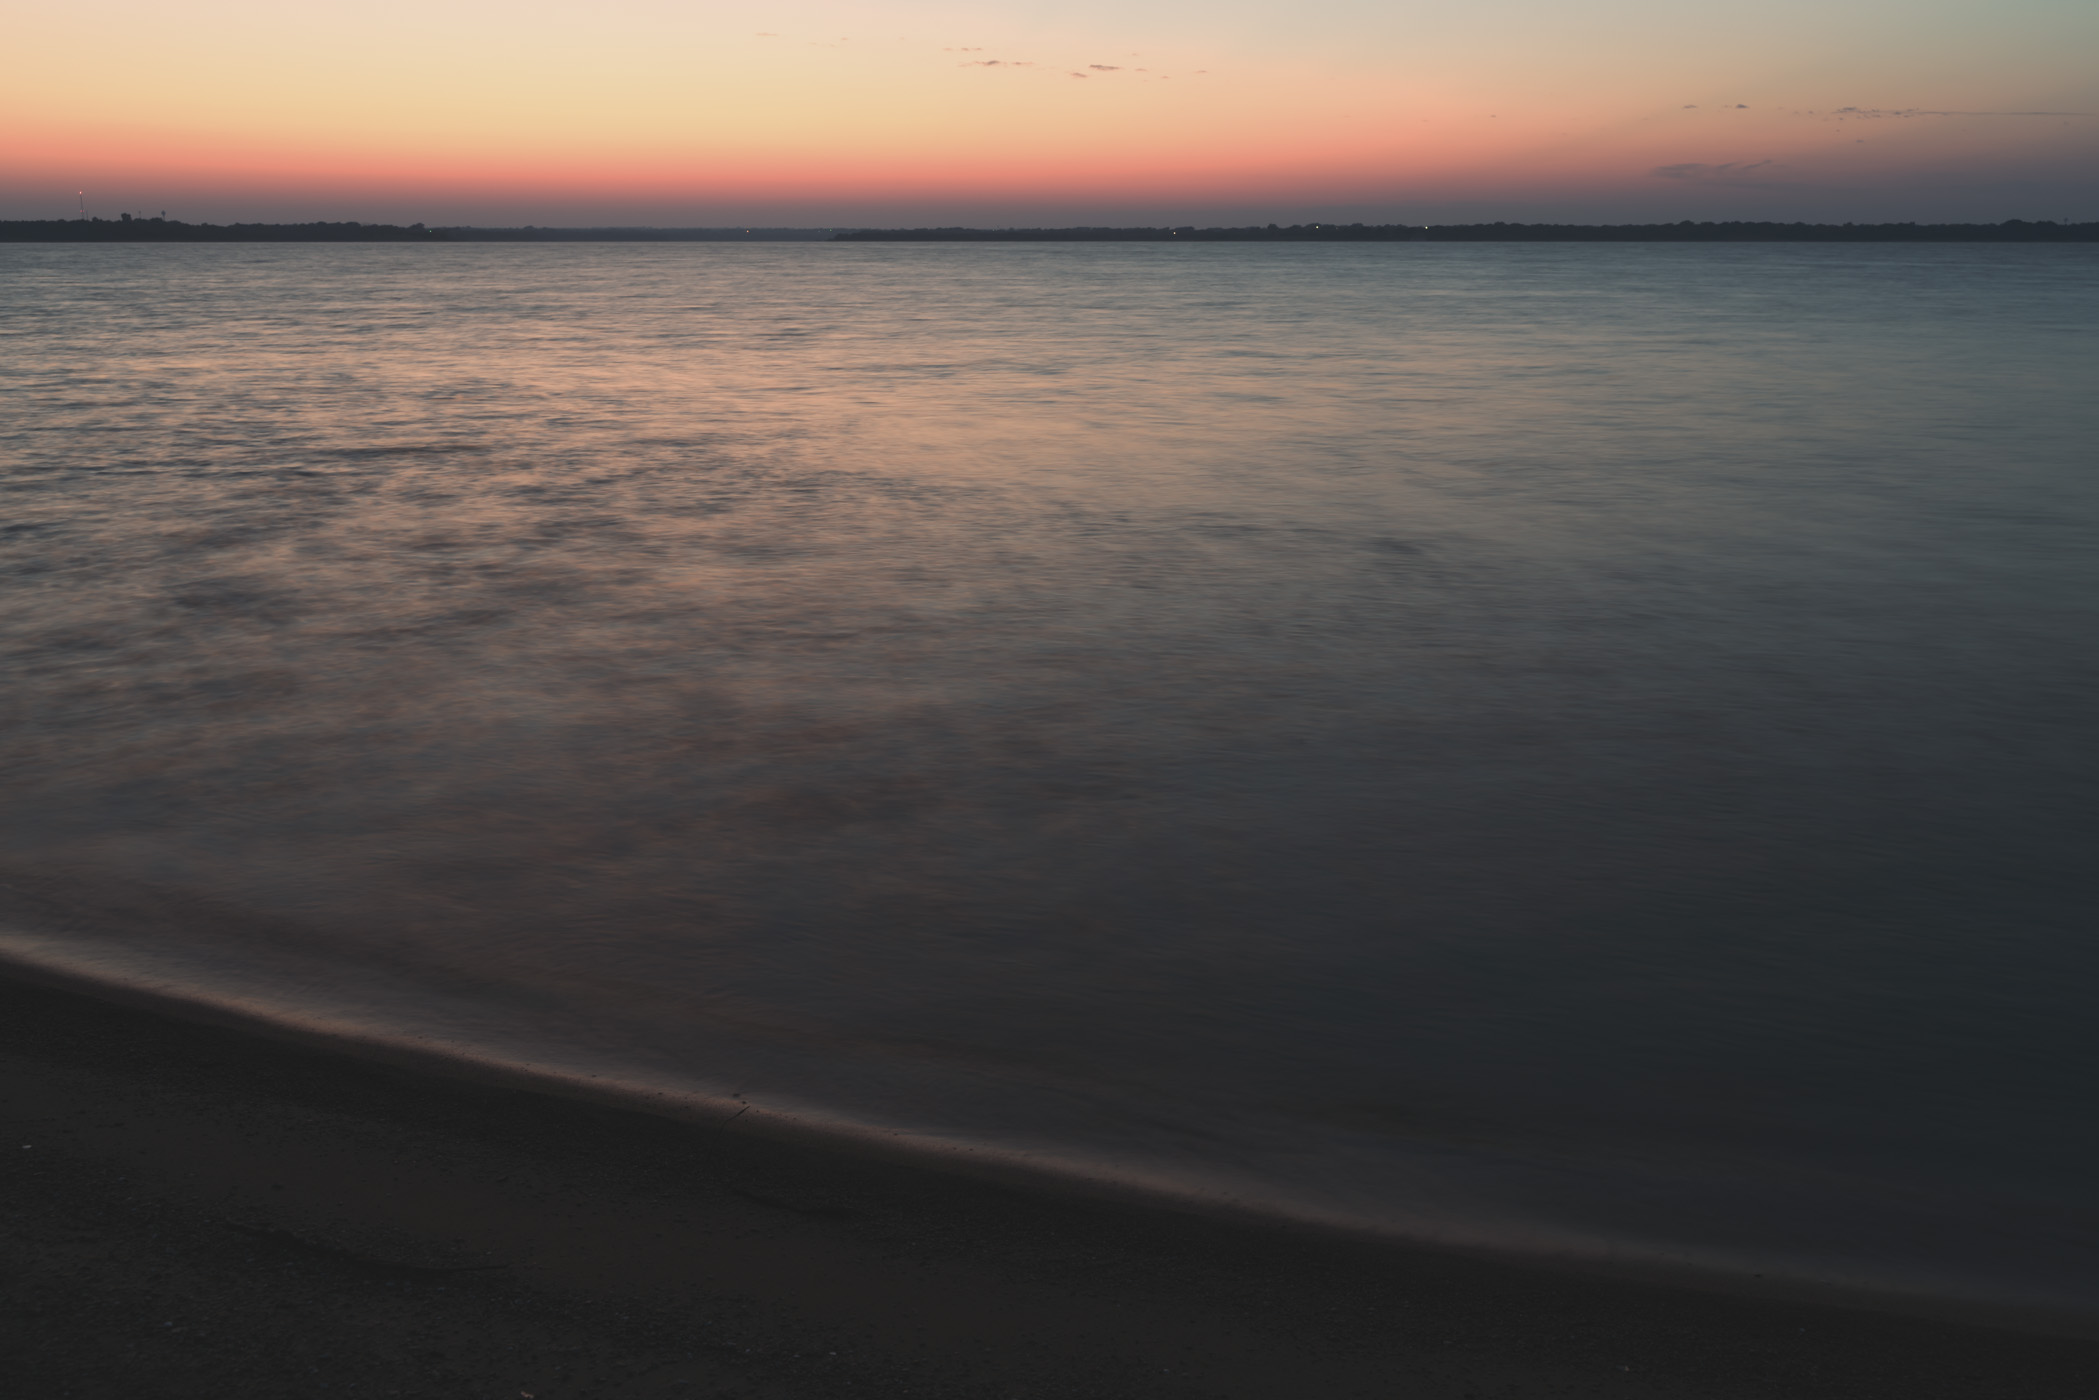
[{"x": 1791, "y": 1229}]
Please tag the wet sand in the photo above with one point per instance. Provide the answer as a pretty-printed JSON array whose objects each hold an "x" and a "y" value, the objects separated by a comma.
[{"x": 193, "y": 1211}]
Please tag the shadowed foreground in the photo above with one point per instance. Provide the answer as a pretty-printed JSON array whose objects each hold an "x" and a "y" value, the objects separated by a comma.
[{"x": 193, "y": 1212}]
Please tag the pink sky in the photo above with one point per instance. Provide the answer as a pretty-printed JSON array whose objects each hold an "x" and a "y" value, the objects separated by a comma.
[{"x": 1152, "y": 111}]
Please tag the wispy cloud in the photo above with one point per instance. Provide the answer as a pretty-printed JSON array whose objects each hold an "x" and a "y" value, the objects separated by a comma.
[
  {"x": 1881, "y": 113},
  {"x": 996, "y": 63},
  {"x": 1105, "y": 67},
  {"x": 1733, "y": 172}
]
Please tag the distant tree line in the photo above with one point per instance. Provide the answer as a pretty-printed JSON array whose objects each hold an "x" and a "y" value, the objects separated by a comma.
[
  {"x": 531, "y": 234},
  {"x": 163, "y": 230},
  {"x": 129, "y": 229},
  {"x": 133, "y": 229},
  {"x": 2011, "y": 231}
]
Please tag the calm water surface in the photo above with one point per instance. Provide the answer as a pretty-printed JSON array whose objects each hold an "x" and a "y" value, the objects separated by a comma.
[{"x": 1567, "y": 749}]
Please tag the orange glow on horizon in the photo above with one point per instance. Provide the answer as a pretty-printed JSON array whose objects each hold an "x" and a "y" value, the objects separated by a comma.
[{"x": 651, "y": 107}]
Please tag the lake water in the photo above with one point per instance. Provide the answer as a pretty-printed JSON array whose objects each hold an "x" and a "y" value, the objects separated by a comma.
[{"x": 1580, "y": 750}]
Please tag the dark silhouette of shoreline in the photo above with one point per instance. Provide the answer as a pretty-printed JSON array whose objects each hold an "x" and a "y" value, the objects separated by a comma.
[
  {"x": 2010, "y": 231},
  {"x": 640, "y": 235},
  {"x": 129, "y": 229}
]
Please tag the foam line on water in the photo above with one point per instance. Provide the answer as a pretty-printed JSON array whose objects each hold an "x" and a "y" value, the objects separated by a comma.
[{"x": 166, "y": 983}]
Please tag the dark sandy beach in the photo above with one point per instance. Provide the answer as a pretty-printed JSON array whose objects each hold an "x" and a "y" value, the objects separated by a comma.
[{"x": 192, "y": 1211}]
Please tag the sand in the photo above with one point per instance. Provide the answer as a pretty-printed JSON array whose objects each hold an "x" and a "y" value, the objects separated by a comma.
[{"x": 193, "y": 1211}]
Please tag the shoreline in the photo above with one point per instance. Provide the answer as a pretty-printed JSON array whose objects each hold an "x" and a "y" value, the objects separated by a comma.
[
  {"x": 128, "y": 229},
  {"x": 322, "y": 1217},
  {"x": 253, "y": 1013}
]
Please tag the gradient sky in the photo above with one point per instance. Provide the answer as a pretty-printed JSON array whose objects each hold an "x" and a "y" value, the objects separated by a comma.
[{"x": 822, "y": 112}]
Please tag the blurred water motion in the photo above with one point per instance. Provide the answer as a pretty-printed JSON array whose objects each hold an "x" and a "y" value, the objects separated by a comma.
[{"x": 1564, "y": 748}]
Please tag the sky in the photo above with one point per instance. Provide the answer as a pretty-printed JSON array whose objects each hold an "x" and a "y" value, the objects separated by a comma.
[{"x": 825, "y": 113}]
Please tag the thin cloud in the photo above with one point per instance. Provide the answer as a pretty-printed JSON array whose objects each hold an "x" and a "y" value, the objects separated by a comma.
[
  {"x": 1882, "y": 113},
  {"x": 996, "y": 63},
  {"x": 1727, "y": 173},
  {"x": 1105, "y": 67}
]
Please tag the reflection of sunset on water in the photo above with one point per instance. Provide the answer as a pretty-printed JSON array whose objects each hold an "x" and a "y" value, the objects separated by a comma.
[{"x": 1460, "y": 741}]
